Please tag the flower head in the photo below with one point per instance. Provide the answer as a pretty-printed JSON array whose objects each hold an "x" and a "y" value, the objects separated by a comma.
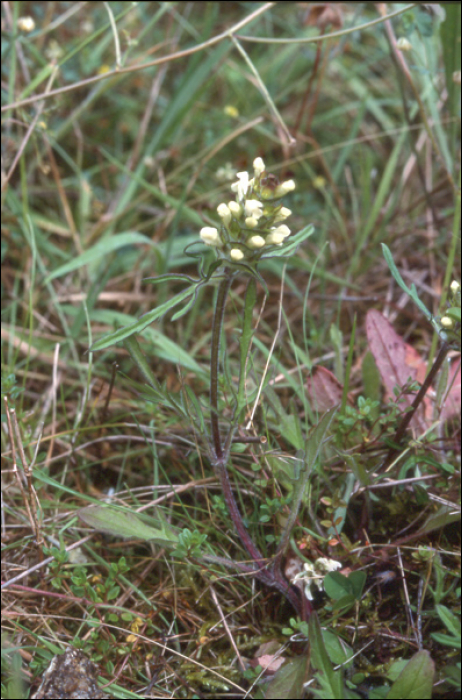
[
  {"x": 314, "y": 573},
  {"x": 251, "y": 225}
]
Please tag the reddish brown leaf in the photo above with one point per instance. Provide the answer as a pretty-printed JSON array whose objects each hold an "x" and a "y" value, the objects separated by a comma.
[
  {"x": 398, "y": 362},
  {"x": 324, "y": 389}
]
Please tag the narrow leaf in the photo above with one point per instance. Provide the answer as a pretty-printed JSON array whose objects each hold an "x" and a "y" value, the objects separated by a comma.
[
  {"x": 125, "y": 524},
  {"x": 98, "y": 251},
  {"x": 119, "y": 335}
]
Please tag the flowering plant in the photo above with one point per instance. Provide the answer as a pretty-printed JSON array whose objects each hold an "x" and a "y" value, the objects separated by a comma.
[{"x": 251, "y": 229}]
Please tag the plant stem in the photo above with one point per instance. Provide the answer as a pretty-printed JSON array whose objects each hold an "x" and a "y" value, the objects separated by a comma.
[
  {"x": 217, "y": 328},
  {"x": 220, "y": 457}
]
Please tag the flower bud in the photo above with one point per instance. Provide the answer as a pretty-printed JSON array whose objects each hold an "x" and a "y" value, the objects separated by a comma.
[
  {"x": 210, "y": 236},
  {"x": 251, "y": 222},
  {"x": 258, "y": 166},
  {"x": 447, "y": 322},
  {"x": 282, "y": 230},
  {"x": 256, "y": 242},
  {"x": 404, "y": 44},
  {"x": 282, "y": 214},
  {"x": 224, "y": 213},
  {"x": 456, "y": 77},
  {"x": 455, "y": 286},
  {"x": 275, "y": 239},
  {"x": 253, "y": 207},
  {"x": 26, "y": 24},
  {"x": 234, "y": 208},
  {"x": 236, "y": 254},
  {"x": 284, "y": 188}
]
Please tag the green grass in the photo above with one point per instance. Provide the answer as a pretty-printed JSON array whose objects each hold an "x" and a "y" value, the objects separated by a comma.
[{"x": 104, "y": 183}]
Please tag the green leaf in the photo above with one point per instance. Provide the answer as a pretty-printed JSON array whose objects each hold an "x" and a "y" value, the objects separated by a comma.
[
  {"x": 337, "y": 585},
  {"x": 98, "y": 251},
  {"x": 338, "y": 650},
  {"x": 288, "y": 680},
  {"x": 416, "y": 679},
  {"x": 441, "y": 518},
  {"x": 245, "y": 340},
  {"x": 141, "y": 324},
  {"x": 412, "y": 292},
  {"x": 331, "y": 681},
  {"x": 451, "y": 621},
  {"x": 454, "y": 312},
  {"x": 122, "y": 523}
]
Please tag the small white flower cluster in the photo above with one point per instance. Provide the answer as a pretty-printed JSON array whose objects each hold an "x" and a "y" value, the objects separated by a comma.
[
  {"x": 252, "y": 222},
  {"x": 314, "y": 573}
]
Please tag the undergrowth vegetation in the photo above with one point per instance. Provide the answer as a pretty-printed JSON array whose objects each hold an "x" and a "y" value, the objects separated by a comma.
[{"x": 231, "y": 349}]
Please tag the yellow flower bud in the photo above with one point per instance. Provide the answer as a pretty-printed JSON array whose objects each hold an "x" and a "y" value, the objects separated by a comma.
[
  {"x": 284, "y": 188},
  {"x": 404, "y": 44},
  {"x": 26, "y": 24},
  {"x": 234, "y": 208},
  {"x": 236, "y": 254},
  {"x": 275, "y": 239},
  {"x": 256, "y": 242},
  {"x": 447, "y": 322},
  {"x": 224, "y": 213},
  {"x": 251, "y": 222}
]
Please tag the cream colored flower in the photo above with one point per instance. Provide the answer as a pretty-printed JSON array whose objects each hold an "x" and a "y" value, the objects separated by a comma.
[
  {"x": 447, "y": 322},
  {"x": 314, "y": 573},
  {"x": 210, "y": 236},
  {"x": 275, "y": 239},
  {"x": 284, "y": 188},
  {"x": 251, "y": 222},
  {"x": 241, "y": 186},
  {"x": 224, "y": 213},
  {"x": 256, "y": 242},
  {"x": 234, "y": 208},
  {"x": 253, "y": 208},
  {"x": 258, "y": 166},
  {"x": 26, "y": 24},
  {"x": 403, "y": 44},
  {"x": 282, "y": 230},
  {"x": 283, "y": 214}
]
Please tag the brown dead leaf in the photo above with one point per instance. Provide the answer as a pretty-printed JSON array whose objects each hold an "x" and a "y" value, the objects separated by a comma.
[
  {"x": 398, "y": 362},
  {"x": 324, "y": 389}
]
